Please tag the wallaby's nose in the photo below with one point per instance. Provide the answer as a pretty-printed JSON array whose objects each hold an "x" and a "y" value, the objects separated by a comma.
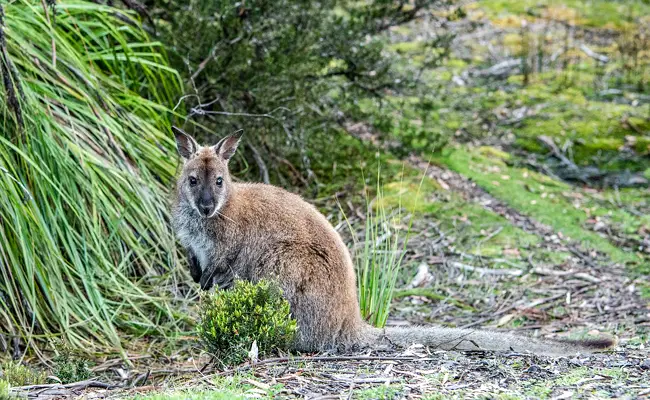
[
  {"x": 206, "y": 207},
  {"x": 206, "y": 202}
]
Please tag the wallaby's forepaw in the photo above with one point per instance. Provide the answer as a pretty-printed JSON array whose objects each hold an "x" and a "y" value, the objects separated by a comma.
[
  {"x": 195, "y": 267},
  {"x": 206, "y": 281},
  {"x": 222, "y": 281}
]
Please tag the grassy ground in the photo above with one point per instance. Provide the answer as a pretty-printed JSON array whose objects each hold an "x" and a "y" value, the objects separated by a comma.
[
  {"x": 511, "y": 379},
  {"x": 511, "y": 241}
]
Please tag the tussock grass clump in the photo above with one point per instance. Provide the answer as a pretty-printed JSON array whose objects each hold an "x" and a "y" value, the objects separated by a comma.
[
  {"x": 378, "y": 266},
  {"x": 231, "y": 320},
  {"x": 86, "y": 159},
  {"x": 380, "y": 258}
]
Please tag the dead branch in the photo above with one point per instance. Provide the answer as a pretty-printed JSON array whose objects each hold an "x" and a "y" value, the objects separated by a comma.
[
  {"x": 486, "y": 271},
  {"x": 264, "y": 172},
  {"x": 596, "y": 56},
  {"x": 57, "y": 389},
  {"x": 200, "y": 110},
  {"x": 579, "y": 275},
  {"x": 501, "y": 69},
  {"x": 548, "y": 142},
  {"x": 301, "y": 359},
  {"x": 582, "y": 256}
]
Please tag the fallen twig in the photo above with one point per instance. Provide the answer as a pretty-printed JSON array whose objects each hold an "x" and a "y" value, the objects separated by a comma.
[
  {"x": 548, "y": 142},
  {"x": 582, "y": 256},
  {"x": 58, "y": 386},
  {"x": 285, "y": 360},
  {"x": 596, "y": 56},
  {"x": 503, "y": 68},
  {"x": 579, "y": 275},
  {"x": 486, "y": 271}
]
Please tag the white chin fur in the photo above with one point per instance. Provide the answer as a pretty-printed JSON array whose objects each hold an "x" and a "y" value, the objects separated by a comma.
[
  {"x": 216, "y": 209},
  {"x": 219, "y": 205}
]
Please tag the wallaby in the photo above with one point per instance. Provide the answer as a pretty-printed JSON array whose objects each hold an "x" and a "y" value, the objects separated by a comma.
[{"x": 253, "y": 231}]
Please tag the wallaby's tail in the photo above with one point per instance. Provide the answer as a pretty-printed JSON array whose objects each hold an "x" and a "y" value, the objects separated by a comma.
[{"x": 470, "y": 339}]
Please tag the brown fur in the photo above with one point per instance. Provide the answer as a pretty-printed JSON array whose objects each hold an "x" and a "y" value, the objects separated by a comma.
[{"x": 261, "y": 231}]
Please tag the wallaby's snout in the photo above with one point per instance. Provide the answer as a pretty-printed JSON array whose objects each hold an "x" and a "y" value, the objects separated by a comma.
[{"x": 206, "y": 203}]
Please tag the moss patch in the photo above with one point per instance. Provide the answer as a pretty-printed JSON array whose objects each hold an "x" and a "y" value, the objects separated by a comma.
[
  {"x": 473, "y": 228},
  {"x": 531, "y": 193},
  {"x": 595, "y": 13},
  {"x": 16, "y": 374}
]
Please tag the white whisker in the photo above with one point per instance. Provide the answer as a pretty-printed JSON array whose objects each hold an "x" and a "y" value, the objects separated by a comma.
[{"x": 223, "y": 215}]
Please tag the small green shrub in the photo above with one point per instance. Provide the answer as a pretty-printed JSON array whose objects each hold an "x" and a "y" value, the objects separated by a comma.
[
  {"x": 16, "y": 374},
  {"x": 69, "y": 368},
  {"x": 232, "y": 319},
  {"x": 4, "y": 390}
]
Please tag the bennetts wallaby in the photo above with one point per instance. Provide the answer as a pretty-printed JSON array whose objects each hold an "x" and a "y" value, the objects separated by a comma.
[{"x": 252, "y": 231}]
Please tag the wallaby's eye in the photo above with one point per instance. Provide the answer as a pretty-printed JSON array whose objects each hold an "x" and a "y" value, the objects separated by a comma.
[
  {"x": 193, "y": 181},
  {"x": 219, "y": 181}
]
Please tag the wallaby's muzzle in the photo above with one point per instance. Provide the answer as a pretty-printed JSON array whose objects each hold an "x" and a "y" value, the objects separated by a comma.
[{"x": 206, "y": 203}]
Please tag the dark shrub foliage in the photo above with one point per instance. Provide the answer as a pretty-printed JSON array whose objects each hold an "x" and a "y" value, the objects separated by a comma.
[
  {"x": 286, "y": 71},
  {"x": 69, "y": 368}
]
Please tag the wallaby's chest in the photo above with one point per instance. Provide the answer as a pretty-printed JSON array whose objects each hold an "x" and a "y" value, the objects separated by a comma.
[
  {"x": 204, "y": 253},
  {"x": 202, "y": 243}
]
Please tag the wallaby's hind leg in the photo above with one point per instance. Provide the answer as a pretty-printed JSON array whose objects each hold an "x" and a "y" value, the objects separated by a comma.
[
  {"x": 321, "y": 326},
  {"x": 327, "y": 315}
]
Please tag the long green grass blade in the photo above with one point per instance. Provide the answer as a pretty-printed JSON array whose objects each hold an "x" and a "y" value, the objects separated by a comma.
[{"x": 86, "y": 161}]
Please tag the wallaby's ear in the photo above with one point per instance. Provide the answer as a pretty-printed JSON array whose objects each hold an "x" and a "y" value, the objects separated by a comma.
[
  {"x": 185, "y": 143},
  {"x": 227, "y": 146}
]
